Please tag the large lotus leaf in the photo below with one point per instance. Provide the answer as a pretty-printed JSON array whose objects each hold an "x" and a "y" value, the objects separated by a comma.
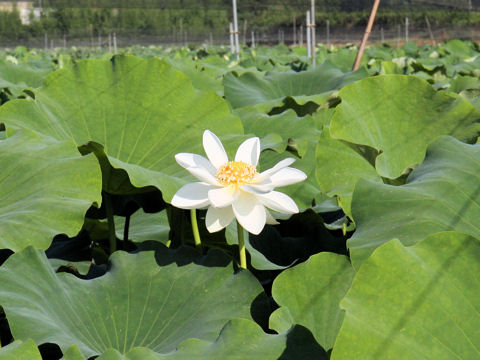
[
  {"x": 419, "y": 302},
  {"x": 270, "y": 91},
  {"x": 400, "y": 116},
  {"x": 45, "y": 189},
  {"x": 339, "y": 167},
  {"x": 150, "y": 299},
  {"x": 441, "y": 194},
  {"x": 140, "y": 111},
  {"x": 17, "y": 78},
  {"x": 240, "y": 339},
  {"x": 19, "y": 350},
  {"x": 309, "y": 295}
]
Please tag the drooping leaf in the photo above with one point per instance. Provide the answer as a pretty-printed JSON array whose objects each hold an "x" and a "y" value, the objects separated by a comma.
[
  {"x": 294, "y": 131},
  {"x": 339, "y": 167},
  {"x": 136, "y": 114},
  {"x": 400, "y": 116},
  {"x": 441, "y": 194},
  {"x": 309, "y": 295},
  {"x": 46, "y": 187},
  {"x": 268, "y": 92},
  {"x": 18, "y": 77},
  {"x": 150, "y": 299},
  {"x": 418, "y": 302}
]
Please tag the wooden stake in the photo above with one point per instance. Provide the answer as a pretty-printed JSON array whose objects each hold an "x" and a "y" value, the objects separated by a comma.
[
  {"x": 368, "y": 30},
  {"x": 430, "y": 31}
]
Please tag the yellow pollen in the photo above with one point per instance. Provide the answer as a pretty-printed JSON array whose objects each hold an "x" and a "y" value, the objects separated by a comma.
[{"x": 236, "y": 172}]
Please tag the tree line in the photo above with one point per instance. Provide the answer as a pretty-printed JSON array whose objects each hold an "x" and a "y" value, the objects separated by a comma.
[{"x": 100, "y": 17}]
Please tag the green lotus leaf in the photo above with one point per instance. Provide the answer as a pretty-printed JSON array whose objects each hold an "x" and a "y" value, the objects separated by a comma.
[
  {"x": 20, "y": 350},
  {"x": 154, "y": 299},
  {"x": 314, "y": 85},
  {"x": 339, "y": 167},
  {"x": 239, "y": 339},
  {"x": 136, "y": 114},
  {"x": 441, "y": 194},
  {"x": 309, "y": 294},
  {"x": 144, "y": 226},
  {"x": 17, "y": 78},
  {"x": 400, "y": 116},
  {"x": 46, "y": 187},
  {"x": 418, "y": 302}
]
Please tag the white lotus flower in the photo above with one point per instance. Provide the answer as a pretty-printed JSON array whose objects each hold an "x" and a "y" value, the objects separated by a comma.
[{"x": 234, "y": 189}]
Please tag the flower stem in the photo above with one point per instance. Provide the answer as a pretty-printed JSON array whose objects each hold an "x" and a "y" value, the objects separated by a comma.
[
  {"x": 196, "y": 233},
  {"x": 241, "y": 246},
  {"x": 126, "y": 228},
  {"x": 111, "y": 224}
]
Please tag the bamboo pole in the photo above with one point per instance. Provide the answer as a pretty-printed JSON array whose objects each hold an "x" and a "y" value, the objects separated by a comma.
[
  {"x": 368, "y": 30},
  {"x": 430, "y": 31}
]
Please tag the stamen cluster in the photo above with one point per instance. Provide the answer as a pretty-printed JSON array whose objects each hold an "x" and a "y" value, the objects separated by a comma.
[{"x": 236, "y": 172}]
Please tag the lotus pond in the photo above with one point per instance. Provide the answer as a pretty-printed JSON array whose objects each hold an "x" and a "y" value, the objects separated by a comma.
[{"x": 320, "y": 213}]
